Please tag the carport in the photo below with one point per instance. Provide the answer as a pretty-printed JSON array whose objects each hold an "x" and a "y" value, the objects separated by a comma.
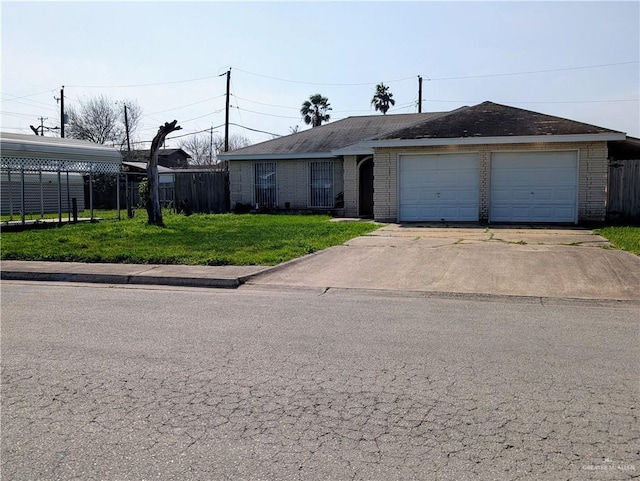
[{"x": 28, "y": 161}]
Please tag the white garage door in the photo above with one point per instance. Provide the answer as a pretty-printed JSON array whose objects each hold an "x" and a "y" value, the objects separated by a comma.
[
  {"x": 534, "y": 187},
  {"x": 438, "y": 187}
]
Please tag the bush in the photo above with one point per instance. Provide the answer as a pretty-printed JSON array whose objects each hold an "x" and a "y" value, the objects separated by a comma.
[{"x": 242, "y": 208}]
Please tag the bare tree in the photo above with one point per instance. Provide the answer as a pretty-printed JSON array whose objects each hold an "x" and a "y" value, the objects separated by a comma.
[
  {"x": 204, "y": 148},
  {"x": 101, "y": 120},
  {"x": 199, "y": 147},
  {"x": 154, "y": 210}
]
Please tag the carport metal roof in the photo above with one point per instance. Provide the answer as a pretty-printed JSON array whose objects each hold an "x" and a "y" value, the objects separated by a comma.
[{"x": 50, "y": 154}]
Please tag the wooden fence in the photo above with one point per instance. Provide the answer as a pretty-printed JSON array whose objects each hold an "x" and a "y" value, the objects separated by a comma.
[
  {"x": 624, "y": 190},
  {"x": 202, "y": 192}
]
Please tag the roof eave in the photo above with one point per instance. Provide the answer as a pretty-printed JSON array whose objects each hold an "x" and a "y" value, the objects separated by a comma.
[
  {"x": 306, "y": 155},
  {"x": 356, "y": 150},
  {"x": 523, "y": 139}
]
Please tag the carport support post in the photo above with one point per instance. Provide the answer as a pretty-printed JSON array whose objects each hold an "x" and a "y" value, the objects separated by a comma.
[
  {"x": 68, "y": 198},
  {"x": 10, "y": 194},
  {"x": 41, "y": 195},
  {"x": 22, "y": 195},
  {"x": 59, "y": 197},
  {"x": 118, "y": 194},
  {"x": 91, "y": 194}
]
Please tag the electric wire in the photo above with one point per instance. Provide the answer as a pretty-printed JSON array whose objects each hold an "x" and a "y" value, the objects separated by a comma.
[{"x": 533, "y": 71}]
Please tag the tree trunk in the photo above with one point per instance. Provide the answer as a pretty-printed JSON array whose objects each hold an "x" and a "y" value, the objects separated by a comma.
[{"x": 154, "y": 209}]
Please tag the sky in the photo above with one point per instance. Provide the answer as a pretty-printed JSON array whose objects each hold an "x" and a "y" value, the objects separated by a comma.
[{"x": 577, "y": 60}]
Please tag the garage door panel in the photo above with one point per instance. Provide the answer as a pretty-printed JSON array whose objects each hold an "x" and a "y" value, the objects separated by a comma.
[
  {"x": 534, "y": 187},
  {"x": 568, "y": 195},
  {"x": 436, "y": 187}
]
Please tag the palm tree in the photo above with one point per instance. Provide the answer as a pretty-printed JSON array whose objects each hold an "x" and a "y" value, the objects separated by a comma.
[
  {"x": 383, "y": 99},
  {"x": 315, "y": 110}
]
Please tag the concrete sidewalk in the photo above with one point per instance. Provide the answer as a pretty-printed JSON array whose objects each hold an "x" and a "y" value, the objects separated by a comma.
[{"x": 167, "y": 275}]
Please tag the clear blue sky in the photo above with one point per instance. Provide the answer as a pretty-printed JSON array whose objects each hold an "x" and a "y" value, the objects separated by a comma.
[{"x": 280, "y": 53}]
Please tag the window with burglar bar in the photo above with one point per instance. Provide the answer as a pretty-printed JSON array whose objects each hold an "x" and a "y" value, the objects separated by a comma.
[
  {"x": 321, "y": 184},
  {"x": 265, "y": 184}
]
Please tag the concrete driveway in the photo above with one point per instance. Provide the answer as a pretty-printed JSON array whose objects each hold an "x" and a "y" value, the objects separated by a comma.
[{"x": 567, "y": 262}]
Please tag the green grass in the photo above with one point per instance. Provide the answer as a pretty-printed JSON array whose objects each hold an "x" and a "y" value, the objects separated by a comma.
[
  {"x": 104, "y": 214},
  {"x": 626, "y": 238},
  {"x": 223, "y": 239}
]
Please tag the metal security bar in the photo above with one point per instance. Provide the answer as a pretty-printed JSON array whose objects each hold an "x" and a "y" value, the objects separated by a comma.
[
  {"x": 321, "y": 184},
  {"x": 265, "y": 185}
]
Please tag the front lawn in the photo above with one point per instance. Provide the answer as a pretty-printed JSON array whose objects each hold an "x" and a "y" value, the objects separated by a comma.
[
  {"x": 222, "y": 239},
  {"x": 626, "y": 238}
]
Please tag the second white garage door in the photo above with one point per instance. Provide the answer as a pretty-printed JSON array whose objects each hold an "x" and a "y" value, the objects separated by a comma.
[
  {"x": 534, "y": 187},
  {"x": 438, "y": 187}
]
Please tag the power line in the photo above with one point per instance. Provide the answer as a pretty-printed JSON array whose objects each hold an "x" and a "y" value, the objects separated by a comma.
[
  {"x": 320, "y": 83},
  {"x": 16, "y": 114},
  {"x": 142, "y": 85},
  {"x": 268, "y": 115},
  {"x": 15, "y": 97},
  {"x": 42, "y": 106},
  {"x": 185, "y": 106},
  {"x": 195, "y": 133},
  {"x": 267, "y": 105},
  {"x": 255, "y": 130},
  {"x": 534, "y": 71}
]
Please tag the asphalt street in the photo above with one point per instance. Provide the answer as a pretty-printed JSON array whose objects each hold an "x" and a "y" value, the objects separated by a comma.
[{"x": 103, "y": 382}]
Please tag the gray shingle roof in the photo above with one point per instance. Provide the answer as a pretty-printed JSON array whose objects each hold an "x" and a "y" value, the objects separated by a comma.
[
  {"x": 483, "y": 120},
  {"x": 335, "y": 135},
  {"x": 492, "y": 120}
]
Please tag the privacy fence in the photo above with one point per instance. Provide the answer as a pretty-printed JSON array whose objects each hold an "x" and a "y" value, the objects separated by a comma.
[
  {"x": 202, "y": 192},
  {"x": 624, "y": 190}
]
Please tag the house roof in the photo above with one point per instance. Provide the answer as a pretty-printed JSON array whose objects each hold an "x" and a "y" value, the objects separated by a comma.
[
  {"x": 493, "y": 120},
  {"x": 142, "y": 166},
  {"x": 332, "y": 136},
  {"x": 161, "y": 152},
  {"x": 487, "y": 122}
]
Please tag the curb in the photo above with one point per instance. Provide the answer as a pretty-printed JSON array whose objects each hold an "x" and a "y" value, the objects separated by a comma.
[{"x": 225, "y": 283}]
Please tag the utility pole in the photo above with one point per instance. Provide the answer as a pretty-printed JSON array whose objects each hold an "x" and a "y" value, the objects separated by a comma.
[
  {"x": 62, "y": 112},
  {"x": 42, "y": 119},
  {"x": 61, "y": 100},
  {"x": 226, "y": 115},
  {"x": 419, "y": 94},
  {"x": 39, "y": 131},
  {"x": 126, "y": 126},
  {"x": 211, "y": 147},
  {"x": 129, "y": 209}
]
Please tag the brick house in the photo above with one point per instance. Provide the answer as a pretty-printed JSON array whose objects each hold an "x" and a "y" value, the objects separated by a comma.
[{"x": 484, "y": 163}]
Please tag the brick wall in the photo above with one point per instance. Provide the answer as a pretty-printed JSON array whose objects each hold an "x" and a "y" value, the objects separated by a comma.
[
  {"x": 292, "y": 181},
  {"x": 240, "y": 182}
]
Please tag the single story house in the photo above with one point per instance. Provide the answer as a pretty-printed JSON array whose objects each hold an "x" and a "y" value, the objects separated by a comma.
[{"x": 484, "y": 163}]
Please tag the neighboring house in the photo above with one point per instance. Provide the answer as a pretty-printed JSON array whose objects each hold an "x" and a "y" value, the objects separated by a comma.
[
  {"x": 171, "y": 158},
  {"x": 168, "y": 161},
  {"x": 485, "y": 163}
]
